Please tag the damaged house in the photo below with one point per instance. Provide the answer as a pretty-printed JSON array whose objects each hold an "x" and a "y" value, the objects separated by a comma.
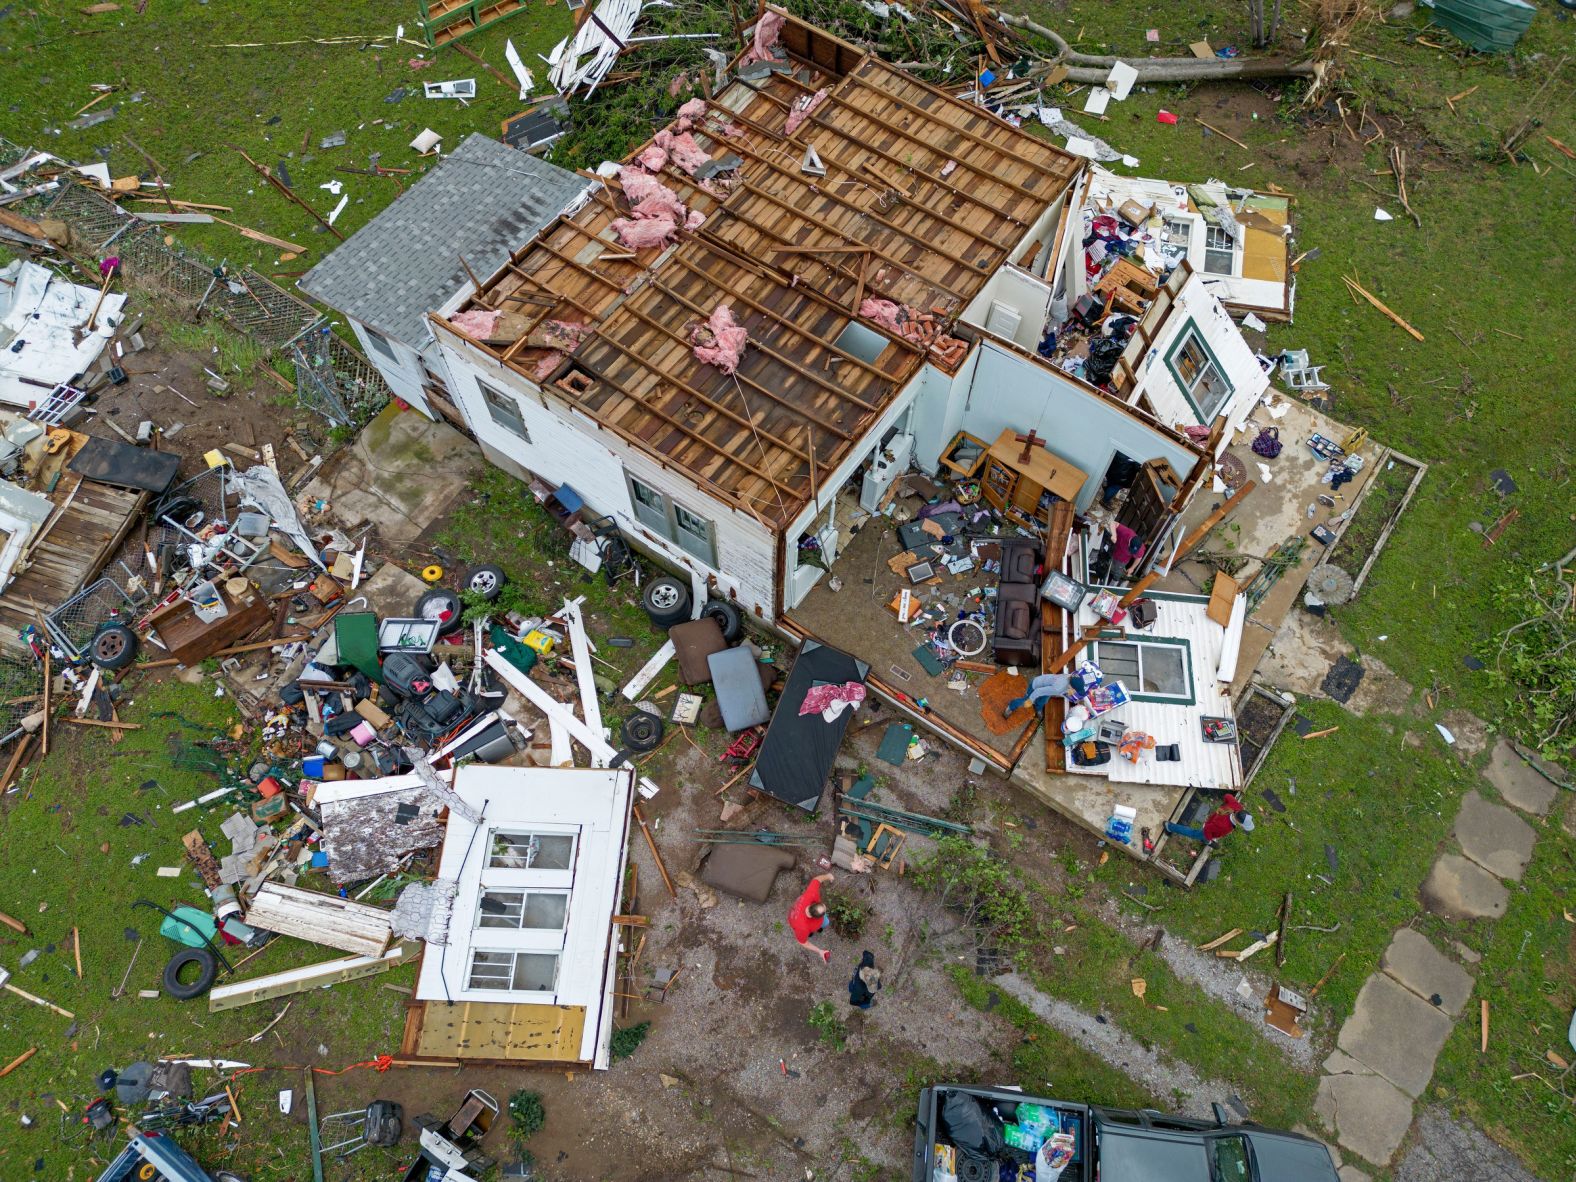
[{"x": 830, "y": 291}]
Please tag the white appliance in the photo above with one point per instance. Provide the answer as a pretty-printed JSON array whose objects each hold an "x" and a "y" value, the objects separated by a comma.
[{"x": 890, "y": 462}]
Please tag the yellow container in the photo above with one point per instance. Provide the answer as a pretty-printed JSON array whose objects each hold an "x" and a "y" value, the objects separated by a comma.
[{"x": 540, "y": 641}]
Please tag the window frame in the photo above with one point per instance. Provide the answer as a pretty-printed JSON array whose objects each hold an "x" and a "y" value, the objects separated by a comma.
[
  {"x": 573, "y": 836},
  {"x": 380, "y": 344},
  {"x": 662, "y": 518},
  {"x": 1175, "y": 644},
  {"x": 491, "y": 396},
  {"x": 1213, "y": 248},
  {"x": 514, "y": 955},
  {"x": 1192, "y": 335},
  {"x": 524, "y": 894}
]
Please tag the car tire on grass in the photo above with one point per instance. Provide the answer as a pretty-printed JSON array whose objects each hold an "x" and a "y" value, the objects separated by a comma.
[
  {"x": 486, "y": 581},
  {"x": 436, "y": 604},
  {"x": 641, "y": 731},
  {"x": 207, "y": 973},
  {"x": 113, "y": 647},
  {"x": 728, "y": 616},
  {"x": 667, "y": 602}
]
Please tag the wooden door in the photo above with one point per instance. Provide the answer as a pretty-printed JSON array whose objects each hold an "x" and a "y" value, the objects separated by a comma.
[{"x": 1147, "y": 507}]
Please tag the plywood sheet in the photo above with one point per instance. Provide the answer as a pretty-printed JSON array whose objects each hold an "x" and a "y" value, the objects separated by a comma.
[
  {"x": 1221, "y": 596},
  {"x": 525, "y": 1033}
]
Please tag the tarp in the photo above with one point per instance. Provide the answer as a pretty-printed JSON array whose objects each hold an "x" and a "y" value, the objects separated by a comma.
[{"x": 797, "y": 753}]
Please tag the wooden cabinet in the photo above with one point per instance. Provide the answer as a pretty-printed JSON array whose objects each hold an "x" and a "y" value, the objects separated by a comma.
[{"x": 1023, "y": 489}]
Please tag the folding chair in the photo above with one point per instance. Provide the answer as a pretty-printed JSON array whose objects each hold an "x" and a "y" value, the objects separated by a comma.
[{"x": 1299, "y": 374}]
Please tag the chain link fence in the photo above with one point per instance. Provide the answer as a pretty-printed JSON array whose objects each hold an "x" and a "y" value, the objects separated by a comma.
[{"x": 332, "y": 378}]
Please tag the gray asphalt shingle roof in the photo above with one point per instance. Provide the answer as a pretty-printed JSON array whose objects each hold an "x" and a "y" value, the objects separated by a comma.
[{"x": 484, "y": 200}]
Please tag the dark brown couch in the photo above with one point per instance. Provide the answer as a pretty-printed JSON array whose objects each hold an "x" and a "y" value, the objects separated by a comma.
[
  {"x": 1020, "y": 561},
  {"x": 1016, "y": 638}
]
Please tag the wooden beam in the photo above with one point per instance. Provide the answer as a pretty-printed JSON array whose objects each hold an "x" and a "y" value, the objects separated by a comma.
[{"x": 316, "y": 976}]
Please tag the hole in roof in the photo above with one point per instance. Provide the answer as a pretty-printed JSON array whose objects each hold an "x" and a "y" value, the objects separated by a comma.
[{"x": 862, "y": 342}]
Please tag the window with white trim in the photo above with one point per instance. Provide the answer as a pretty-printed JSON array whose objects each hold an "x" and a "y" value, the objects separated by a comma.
[
  {"x": 659, "y": 513},
  {"x": 1220, "y": 252},
  {"x": 523, "y": 910},
  {"x": 504, "y": 410},
  {"x": 1158, "y": 671},
  {"x": 1179, "y": 233},
  {"x": 380, "y": 345},
  {"x": 516, "y": 849},
  {"x": 513, "y": 972},
  {"x": 1200, "y": 377}
]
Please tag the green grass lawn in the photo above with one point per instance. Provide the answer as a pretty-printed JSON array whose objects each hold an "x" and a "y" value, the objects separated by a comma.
[{"x": 67, "y": 850}]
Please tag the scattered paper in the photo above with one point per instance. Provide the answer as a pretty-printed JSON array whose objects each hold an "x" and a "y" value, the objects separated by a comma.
[
  {"x": 98, "y": 172},
  {"x": 1265, "y": 475},
  {"x": 1099, "y": 98},
  {"x": 1152, "y": 36},
  {"x": 1078, "y": 146},
  {"x": 1278, "y": 410},
  {"x": 338, "y": 209},
  {"x": 1130, "y": 161},
  {"x": 521, "y": 73},
  {"x": 1381, "y": 216},
  {"x": 1120, "y": 80},
  {"x": 1253, "y": 322},
  {"x": 1444, "y": 733},
  {"x": 333, "y": 186}
]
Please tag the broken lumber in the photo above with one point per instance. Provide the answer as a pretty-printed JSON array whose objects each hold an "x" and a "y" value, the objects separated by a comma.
[
  {"x": 18, "y": 1061},
  {"x": 1483, "y": 1026},
  {"x": 1328, "y": 973},
  {"x": 315, "y": 976},
  {"x": 16, "y": 925},
  {"x": 1219, "y": 940},
  {"x": 1359, "y": 289},
  {"x": 652, "y": 842},
  {"x": 259, "y": 236},
  {"x": 114, "y": 726},
  {"x": 1256, "y": 947},
  {"x": 323, "y": 919},
  {"x": 1329, "y": 730},
  {"x": 1221, "y": 134}
]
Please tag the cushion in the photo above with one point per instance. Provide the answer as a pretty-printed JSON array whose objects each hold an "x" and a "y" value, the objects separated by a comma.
[
  {"x": 1016, "y": 619},
  {"x": 745, "y": 870},
  {"x": 740, "y": 695},
  {"x": 694, "y": 642}
]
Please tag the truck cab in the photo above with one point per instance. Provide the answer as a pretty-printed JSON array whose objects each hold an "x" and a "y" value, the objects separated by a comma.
[
  {"x": 169, "y": 1162},
  {"x": 966, "y": 1134}
]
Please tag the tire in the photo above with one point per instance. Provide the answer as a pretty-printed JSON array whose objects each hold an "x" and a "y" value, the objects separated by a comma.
[
  {"x": 433, "y": 605},
  {"x": 667, "y": 602},
  {"x": 226, "y": 1176},
  {"x": 729, "y": 618},
  {"x": 207, "y": 973},
  {"x": 188, "y": 511},
  {"x": 113, "y": 647},
  {"x": 641, "y": 731},
  {"x": 486, "y": 581}
]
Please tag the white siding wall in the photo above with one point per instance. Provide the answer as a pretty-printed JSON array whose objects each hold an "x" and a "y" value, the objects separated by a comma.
[
  {"x": 1197, "y": 306},
  {"x": 404, "y": 376},
  {"x": 567, "y": 447},
  {"x": 1021, "y": 291}
]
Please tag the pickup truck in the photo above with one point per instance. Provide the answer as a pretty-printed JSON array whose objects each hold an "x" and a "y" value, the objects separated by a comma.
[
  {"x": 170, "y": 1163},
  {"x": 1108, "y": 1144}
]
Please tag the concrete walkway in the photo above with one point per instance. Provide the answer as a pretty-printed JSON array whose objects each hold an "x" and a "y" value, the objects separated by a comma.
[{"x": 1405, "y": 1011}]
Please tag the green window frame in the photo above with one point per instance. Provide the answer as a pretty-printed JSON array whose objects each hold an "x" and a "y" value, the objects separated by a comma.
[{"x": 1195, "y": 368}]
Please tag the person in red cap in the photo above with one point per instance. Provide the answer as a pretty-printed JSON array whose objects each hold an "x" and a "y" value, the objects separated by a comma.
[
  {"x": 1230, "y": 815},
  {"x": 808, "y": 916}
]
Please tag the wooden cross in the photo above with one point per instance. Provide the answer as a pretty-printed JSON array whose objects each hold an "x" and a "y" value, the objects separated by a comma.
[{"x": 1030, "y": 442}]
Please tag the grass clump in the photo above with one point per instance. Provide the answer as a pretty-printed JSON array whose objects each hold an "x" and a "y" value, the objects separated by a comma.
[
  {"x": 832, "y": 1029},
  {"x": 627, "y": 1039},
  {"x": 527, "y": 1114}
]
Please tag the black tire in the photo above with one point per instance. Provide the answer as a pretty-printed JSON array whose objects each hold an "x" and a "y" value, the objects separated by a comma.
[
  {"x": 641, "y": 731},
  {"x": 207, "y": 973},
  {"x": 486, "y": 581},
  {"x": 434, "y": 604},
  {"x": 113, "y": 647},
  {"x": 184, "y": 510},
  {"x": 728, "y": 616},
  {"x": 667, "y": 602}
]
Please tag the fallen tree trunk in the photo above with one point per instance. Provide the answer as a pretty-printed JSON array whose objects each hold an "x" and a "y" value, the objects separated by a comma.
[{"x": 1092, "y": 69}]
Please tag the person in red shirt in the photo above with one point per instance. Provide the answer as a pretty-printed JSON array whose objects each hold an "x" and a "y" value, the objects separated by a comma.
[
  {"x": 808, "y": 916},
  {"x": 1230, "y": 815}
]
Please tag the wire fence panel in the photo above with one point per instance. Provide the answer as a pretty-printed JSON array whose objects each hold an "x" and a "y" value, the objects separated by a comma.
[
  {"x": 73, "y": 624},
  {"x": 342, "y": 385}
]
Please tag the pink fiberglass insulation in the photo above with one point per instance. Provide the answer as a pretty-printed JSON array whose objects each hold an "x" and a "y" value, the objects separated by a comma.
[
  {"x": 652, "y": 158},
  {"x": 640, "y": 187},
  {"x": 543, "y": 369},
  {"x": 764, "y": 47},
  {"x": 884, "y": 312},
  {"x": 640, "y": 233},
  {"x": 694, "y": 220},
  {"x": 476, "y": 323},
  {"x": 798, "y": 115},
  {"x": 720, "y": 341},
  {"x": 686, "y": 153},
  {"x": 690, "y": 114}
]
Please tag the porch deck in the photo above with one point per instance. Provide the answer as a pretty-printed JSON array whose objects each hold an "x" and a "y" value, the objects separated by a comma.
[{"x": 856, "y": 620}]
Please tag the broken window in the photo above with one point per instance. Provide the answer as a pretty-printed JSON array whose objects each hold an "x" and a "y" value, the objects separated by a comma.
[
  {"x": 1200, "y": 377},
  {"x": 536, "y": 910},
  {"x": 1152, "y": 670},
  {"x": 535, "y": 972},
  {"x": 504, "y": 411},
  {"x": 662, "y": 516},
  {"x": 515, "y": 850},
  {"x": 1219, "y": 251}
]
